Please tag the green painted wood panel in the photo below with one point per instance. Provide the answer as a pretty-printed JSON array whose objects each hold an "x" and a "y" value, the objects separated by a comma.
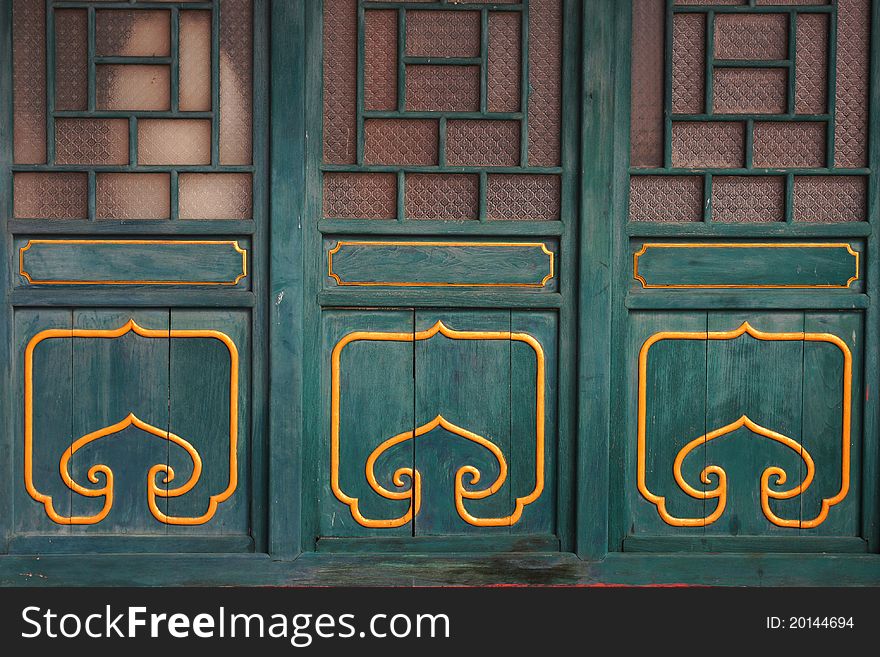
[
  {"x": 376, "y": 403},
  {"x": 465, "y": 263},
  {"x": 202, "y": 370},
  {"x": 675, "y": 414},
  {"x": 114, "y": 377},
  {"x": 823, "y": 416},
  {"x": 539, "y": 516},
  {"x": 141, "y": 262},
  {"x": 457, "y": 388},
  {"x": 53, "y": 398},
  {"x": 762, "y": 380},
  {"x": 789, "y": 384},
  {"x": 468, "y": 383},
  {"x": 745, "y": 265}
]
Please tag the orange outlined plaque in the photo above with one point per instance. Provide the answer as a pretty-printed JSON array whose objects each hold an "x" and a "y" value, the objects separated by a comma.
[
  {"x": 719, "y": 492},
  {"x": 153, "y": 491},
  {"x": 743, "y": 245},
  {"x": 182, "y": 280},
  {"x": 413, "y": 493}
]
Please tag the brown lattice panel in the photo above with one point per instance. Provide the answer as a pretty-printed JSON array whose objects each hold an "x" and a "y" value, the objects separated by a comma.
[
  {"x": 100, "y": 150},
  {"x": 433, "y": 108},
  {"x": 746, "y": 104}
]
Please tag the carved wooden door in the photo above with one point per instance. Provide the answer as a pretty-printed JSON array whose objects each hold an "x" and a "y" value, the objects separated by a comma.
[
  {"x": 745, "y": 287},
  {"x": 444, "y": 237},
  {"x": 135, "y": 233}
]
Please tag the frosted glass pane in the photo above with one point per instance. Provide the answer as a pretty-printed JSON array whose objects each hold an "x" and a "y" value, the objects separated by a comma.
[
  {"x": 91, "y": 141},
  {"x": 138, "y": 33},
  {"x": 29, "y": 81},
  {"x": 71, "y": 59},
  {"x": 215, "y": 196},
  {"x": 195, "y": 61},
  {"x": 174, "y": 141},
  {"x": 133, "y": 196},
  {"x": 133, "y": 87},
  {"x": 50, "y": 196},
  {"x": 236, "y": 71}
]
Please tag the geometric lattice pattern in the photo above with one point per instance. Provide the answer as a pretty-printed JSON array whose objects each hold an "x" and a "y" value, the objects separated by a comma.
[
  {"x": 760, "y": 109},
  {"x": 137, "y": 112},
  {"x": 429, "y": 112}
]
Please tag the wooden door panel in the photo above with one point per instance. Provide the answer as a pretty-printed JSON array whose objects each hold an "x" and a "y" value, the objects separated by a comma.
[
  {"x": 531, "y": 477},
  {"x": 822, "y": 421},
  {"x": 463, "y": 400},
  {"x": 38, "y": 484},
  {"x": 777, "y": 454},
  {"x": 134, "y": 340},
  {"x": 117, "y": 378},
  {"x": 761, "y": 380},
  {"x": 374, "y": 375},
  {"x": 674, "y": 413},
  {"x": 210, "y": 408},
  {"x": 463, "y": 377},
  {"x": 107, "y": 429}
]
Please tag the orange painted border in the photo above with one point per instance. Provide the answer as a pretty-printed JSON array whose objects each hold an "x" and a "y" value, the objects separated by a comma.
[
  {"x": 414, "y": 492},
  {"x": 741, "y": 245},
  {"x": 32, "y": 281},
  {"x": 720, "y": 491},
  {"x": 106, "y": 490}
]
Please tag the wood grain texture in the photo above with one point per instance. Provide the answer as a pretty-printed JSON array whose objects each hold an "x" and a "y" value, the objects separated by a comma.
[
  {"x": 52, "y": 423},
  {"x": 440, "y": 264},
  {"x": 822, "y": 414},
  {"x": 764, "y": 381},
  {"x": 468, "y": 382},
  {"x": 444, "y": 570},
  {"x": 376, "y": 403},
  {"x": 113, "y": 377},
  {"x": 675, "y": 414},
  {"x": 132, "y": 262},
  {"x": 199, "y": 399},
  {"x": 745, "y": 265}
]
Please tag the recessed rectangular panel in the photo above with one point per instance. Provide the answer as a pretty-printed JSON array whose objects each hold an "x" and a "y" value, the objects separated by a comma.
[
  {"x": 131, "y": 262},
  {"x": 440, "y": 264},
  {"x": 746, "y": 265}
]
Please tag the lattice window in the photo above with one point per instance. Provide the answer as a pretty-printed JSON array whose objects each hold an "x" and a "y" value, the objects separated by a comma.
[
  {"x": 131, "y": 110},
  {"x": 448, "y": 110},
  {"x": 747, "y": 111}
]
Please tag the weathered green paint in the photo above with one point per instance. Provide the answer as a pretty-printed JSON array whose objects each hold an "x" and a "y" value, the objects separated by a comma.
[
  {"x": 83, "y": 384},
  {"x": 199, "y": 379},
  {"x": 361, "y": 263},
  {"x": 469, "y": 383},
  {"x": 374, "y": 375},
  {"x": 198, "y": 262},
  {"x": 781, "y": 264}
]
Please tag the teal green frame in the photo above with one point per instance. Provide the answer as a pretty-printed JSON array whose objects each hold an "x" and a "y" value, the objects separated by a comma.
[
  {"x": 256, "y": 231},
  {"x": 592, "y": 556}
]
